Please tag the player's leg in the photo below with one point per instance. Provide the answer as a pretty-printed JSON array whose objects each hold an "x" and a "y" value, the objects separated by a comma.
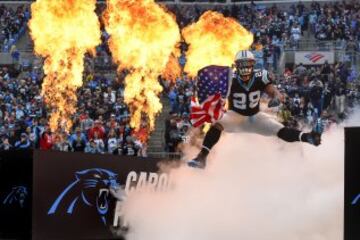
[
  {"x": 230, "y": 122},
  {"x": 263, "y": 124},
  {"x": 211, "y": 138},
  {"x": 294, "y": 135},
  {"x": 267, "y": 125}
]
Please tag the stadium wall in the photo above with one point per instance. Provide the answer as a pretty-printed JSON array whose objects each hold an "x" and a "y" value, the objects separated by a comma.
[{"x": 59, "y": 195}]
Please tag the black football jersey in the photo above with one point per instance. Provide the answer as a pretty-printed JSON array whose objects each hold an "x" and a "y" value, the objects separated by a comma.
[{"x": 244, "y": 98}]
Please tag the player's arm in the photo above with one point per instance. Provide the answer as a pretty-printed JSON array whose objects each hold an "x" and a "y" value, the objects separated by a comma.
[
  {"x": 273, "y": 92},
  {"x": 269, "y": 87}
]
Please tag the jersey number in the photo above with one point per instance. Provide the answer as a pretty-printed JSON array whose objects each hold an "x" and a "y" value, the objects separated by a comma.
[{"x": 240, "y": 100}]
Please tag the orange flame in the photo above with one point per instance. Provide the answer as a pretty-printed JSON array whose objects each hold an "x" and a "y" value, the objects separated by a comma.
[
  {"x": 214, "y": 40},
  {"x": 143, "y": 36},
  {"x": 63, "y": 31},
  {"x": 173, "y": 69}
]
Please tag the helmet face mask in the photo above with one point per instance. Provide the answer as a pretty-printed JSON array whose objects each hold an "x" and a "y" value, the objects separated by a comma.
[
  {"x": 245, "y": 67},
  {"x": 244, "y": 64}
]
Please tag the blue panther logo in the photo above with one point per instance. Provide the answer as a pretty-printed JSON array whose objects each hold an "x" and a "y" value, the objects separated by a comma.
[
  {"x": 90, "y": 187},
  {"x": 18, "y": 195}
]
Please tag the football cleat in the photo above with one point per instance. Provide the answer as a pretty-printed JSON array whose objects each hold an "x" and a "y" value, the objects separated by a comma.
[
  {"x": 198, "y": 162},
  {"x": 314, "y": 138}
]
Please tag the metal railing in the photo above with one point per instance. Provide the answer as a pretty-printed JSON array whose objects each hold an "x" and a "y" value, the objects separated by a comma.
[
  {"x": 165, "y": 155},
  {"x": 352, "y": 57},
  {"x": 198, "y": 2},
  {"x": 311, "y": 45}
]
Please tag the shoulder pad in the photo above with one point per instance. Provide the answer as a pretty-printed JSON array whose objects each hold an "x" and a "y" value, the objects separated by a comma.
[
  {"x": 263, "y": 75},
  {"x": 266, "y": 77}
]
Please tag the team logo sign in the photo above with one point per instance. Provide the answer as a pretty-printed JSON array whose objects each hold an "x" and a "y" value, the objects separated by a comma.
[
  {"x": 17, "y": 195},
  {"x": 314, "y": 57},
  {"x": 90, "y": 187}
]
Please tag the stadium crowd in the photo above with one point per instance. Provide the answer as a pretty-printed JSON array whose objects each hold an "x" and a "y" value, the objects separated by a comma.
[
  {"x": 101, "y": 124},
  {"x": 336, "y": 21},
  {"x": 326, "y": 91},
  {"x": 11, "y": 22}
]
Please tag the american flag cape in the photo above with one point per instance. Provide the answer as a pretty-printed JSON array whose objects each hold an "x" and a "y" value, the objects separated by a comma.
[{"x": 212, "y": 89}]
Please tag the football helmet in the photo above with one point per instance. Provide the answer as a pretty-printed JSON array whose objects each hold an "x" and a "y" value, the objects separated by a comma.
[{"x": 244, "y": 63}]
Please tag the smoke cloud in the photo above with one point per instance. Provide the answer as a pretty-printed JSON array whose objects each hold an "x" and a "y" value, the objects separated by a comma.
[{"x": 254, "y": 188}]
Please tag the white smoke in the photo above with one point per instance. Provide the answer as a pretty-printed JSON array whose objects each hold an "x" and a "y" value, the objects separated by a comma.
[{"x": 254, "y": 188}]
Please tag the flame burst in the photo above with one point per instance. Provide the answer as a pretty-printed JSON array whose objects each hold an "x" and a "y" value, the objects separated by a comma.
[
  {"x": 143, "y": 37},
  {"x": 173, "y": 69},
  {"x": 63, "y": 31},
  {"x": 214, "y": 40}
]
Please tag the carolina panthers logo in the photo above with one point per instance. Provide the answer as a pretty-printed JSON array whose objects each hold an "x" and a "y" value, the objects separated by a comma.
[
  {"x": 17, "y": 195},
  {"x": 91, "y": 187}
]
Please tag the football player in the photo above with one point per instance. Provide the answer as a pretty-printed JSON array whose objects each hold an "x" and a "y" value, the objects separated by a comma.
[{"x": 247, "y": 86}]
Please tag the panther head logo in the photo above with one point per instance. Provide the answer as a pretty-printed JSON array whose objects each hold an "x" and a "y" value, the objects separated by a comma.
[
  {"x": 18, "y": 195},
  {"x": 90, "y": 187}
]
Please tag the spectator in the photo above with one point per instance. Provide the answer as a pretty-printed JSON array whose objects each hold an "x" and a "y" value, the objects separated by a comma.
[
  {"x": 99, "y": 142},
  {"x": 296, "y": 35},
  {"x": 92, "y": 147},
  {"x": 173, "y": 137},
  {"x": 86, "y": 122},
  {"x": 97, "y": 129},
  {"x": 46, "y": 139},
  {"x": 62, "y": 144},
  {"x": 316, "y": 95},
  {"x": 78, "y": 141},
  {"x": 325, "y": 71},
  {"x": 119, "y": 149},
  {"x": 129, "y": 148},
  {"x": 5, "y": 144},
  {"x": 340, "y": 100},
  {"x": 23, "y": 143},
  {"x": 112, "y": 142},
  {"x": 300, "y": 71}
]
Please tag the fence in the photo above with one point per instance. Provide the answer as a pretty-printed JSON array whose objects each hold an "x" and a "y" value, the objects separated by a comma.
[
  {"x": 201, "y": 2},
  {"x": 165, "y": 155},
  {"x": 311, "y": 45}
]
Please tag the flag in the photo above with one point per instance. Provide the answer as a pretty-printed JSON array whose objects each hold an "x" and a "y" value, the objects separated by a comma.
[
  {"x": 211, "y": 110},
  {"x": 212, "y": 89},
  {"x": 212, "y": 80}
]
